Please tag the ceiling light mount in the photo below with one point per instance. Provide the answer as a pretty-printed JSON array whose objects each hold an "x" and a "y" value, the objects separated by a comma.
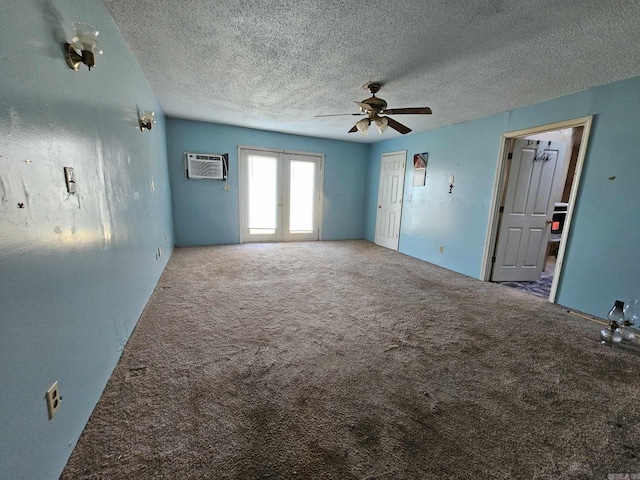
[{"x": 373, "y": 87}]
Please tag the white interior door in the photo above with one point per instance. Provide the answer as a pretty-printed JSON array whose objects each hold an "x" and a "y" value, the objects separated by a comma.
[
  {"x": 533, "y": 188},
  {"x": 390, "y": 191},
  {"x": 280, "y": 196}
]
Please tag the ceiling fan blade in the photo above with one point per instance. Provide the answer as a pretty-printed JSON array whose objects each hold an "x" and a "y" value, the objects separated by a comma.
[
  {"x": 407, "y": 111},
  {"x": 397, "y": 126},
  {"x": 338, "y": 114},
  {"x": 365, "y": 106},
  {"x": 353, "y": 129}
]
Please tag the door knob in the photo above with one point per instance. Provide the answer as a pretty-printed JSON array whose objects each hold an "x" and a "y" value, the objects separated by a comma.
[
  {"x": 549, "y": 221},
  {"x": 379, "y": 206}
]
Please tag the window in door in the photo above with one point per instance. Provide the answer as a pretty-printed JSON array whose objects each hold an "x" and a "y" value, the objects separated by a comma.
[{"x": 262, "y": 190}]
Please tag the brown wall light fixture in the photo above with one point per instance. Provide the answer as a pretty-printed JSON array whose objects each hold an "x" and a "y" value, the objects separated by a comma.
[
  {"x": 147, "y": 119},
  {"x": 83, "y": 47}
]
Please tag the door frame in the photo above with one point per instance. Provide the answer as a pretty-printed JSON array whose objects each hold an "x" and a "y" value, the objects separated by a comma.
[
  {"x": 404, "y": 180},
  {"x": 499, "y": 186},
  {"x": 242, "y": 193}
]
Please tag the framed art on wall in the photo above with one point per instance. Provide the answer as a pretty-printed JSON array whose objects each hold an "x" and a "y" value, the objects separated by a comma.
[{"x": 420, "y": 169}]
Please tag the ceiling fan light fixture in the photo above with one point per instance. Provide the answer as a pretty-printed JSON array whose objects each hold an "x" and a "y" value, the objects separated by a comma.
[
  {"x": 381, "y": 123},
  {"x": 373, "y": 107},
  {"x": 363, "y": 125}
]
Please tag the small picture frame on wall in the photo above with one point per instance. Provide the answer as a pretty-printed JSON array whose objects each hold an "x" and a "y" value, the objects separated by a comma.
[
  {"x": 420, "y": 169},
  {"x": 420, "y": 161}
]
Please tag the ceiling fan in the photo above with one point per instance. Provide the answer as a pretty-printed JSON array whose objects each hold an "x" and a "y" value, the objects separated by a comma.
[{"x": 373, "y": 107}]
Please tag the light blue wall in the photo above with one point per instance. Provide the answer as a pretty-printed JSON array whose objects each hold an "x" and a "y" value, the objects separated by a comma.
[
  {"x": 601, "y": 263},
  {"x": 433, "y": 217},
  {"x": 75, "y": 271},
  {"x": 205, "y": 214}
]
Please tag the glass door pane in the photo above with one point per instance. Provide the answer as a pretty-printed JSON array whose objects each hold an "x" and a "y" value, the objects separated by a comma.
[
  {"x": 301, "y": 196},
  {"x": 262, "y": 179}
]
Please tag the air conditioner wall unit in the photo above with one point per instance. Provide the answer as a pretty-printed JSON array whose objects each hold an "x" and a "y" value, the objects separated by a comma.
[{"x": 210, "y": 166}]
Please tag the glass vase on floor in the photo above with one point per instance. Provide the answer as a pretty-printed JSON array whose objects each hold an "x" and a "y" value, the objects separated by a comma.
[
  {"x": 612, "y": 334},
  {"x": 616, "y": 314},
  {"x": 631, "y": 312}
]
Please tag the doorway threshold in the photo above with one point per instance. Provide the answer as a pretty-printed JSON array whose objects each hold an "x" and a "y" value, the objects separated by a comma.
[{"x": 541, "y": 288}]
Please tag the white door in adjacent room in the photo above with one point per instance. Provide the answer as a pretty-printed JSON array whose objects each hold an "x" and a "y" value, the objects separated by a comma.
[
  {"x": 390, "y": 191},
  {"x": 280, "y": 195},
  {"x": 534, "y": 184}
]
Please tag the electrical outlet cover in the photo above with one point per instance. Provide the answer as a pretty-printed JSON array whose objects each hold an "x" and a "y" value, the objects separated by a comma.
[{"x": 53, "y": 399}]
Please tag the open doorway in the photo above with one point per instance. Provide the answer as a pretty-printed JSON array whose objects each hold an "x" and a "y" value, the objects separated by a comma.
[{"x": 534, "y": 196}]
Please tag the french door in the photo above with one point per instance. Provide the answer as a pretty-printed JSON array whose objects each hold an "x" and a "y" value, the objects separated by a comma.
[{"x": 280, "y": 195}]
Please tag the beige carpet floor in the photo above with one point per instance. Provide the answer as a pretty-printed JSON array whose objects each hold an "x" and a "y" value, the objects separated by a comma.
[{"x": 344, "y": 360}]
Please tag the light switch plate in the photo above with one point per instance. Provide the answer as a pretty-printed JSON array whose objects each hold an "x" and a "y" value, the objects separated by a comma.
[{"x": 70, "y": 179}]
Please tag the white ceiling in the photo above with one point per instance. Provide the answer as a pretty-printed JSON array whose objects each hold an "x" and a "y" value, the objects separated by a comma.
[{"x": 274, "y": 64}]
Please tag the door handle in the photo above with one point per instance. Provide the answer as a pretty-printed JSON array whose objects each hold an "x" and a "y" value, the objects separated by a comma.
[
  {"x": 379, "y": 206},
  {"x": 549, "y": 221}
]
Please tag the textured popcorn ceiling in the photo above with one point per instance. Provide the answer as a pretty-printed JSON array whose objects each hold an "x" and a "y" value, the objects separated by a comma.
[{"x": 275, "y": 64}]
